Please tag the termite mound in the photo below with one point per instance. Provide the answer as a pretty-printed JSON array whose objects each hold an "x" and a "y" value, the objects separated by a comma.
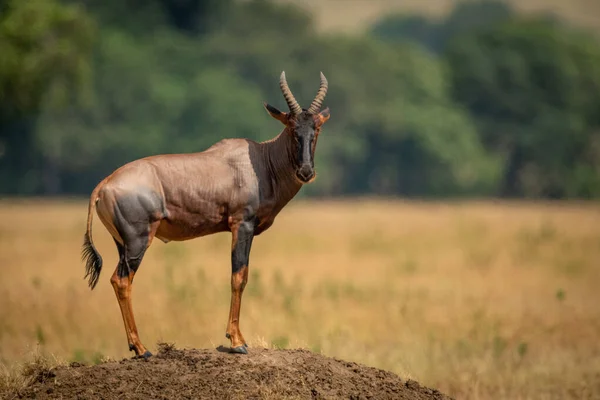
[{"x": 215, "y": 374}]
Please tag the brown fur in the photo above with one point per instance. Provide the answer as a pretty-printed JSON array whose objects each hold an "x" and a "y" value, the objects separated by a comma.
[{"x": 184, "y": 196}]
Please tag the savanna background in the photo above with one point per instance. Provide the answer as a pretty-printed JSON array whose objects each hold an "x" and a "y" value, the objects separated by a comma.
[{"x": 453, "y": 233}]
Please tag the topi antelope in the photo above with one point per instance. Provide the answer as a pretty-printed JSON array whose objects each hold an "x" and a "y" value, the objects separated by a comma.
[{"x": 237, "y": 185}]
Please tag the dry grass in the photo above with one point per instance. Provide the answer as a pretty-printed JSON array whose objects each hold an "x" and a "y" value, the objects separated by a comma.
[
  {"x": 352, "y": 15},
  {"x": 37, "y": 366},
  {"x": 480, "y": 299}
]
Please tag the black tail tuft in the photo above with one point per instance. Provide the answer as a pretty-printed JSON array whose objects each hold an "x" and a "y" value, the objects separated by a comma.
[{"x": 93, "y": 261}]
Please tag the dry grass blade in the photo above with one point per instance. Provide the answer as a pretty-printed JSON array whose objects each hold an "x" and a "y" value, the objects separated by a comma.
[
  {"x": 480, "y": 300},
  {"x": 39, "y": 368}
]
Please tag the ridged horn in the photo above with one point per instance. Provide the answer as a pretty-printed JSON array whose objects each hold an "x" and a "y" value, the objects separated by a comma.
[
  {"x": 289, "y": 97},
  {"x": 315, "y": 106}
]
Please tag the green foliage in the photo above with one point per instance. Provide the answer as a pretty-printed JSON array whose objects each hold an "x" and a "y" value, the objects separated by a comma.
[
  {"x": 534, "y": 88},
  {"x": 510, "y": 107},
  {"x": 400, "y": 133},
  {"x": 434, "y": 35},
  {"x": 45, "y": 49}
]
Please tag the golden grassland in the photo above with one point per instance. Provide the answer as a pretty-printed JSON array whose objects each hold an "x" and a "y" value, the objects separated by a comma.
[
  {"x": 353, "y": 15},
  {"x": 479, "y": 299}
]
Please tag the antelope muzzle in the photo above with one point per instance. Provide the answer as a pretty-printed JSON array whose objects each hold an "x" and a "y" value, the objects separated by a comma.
[{"x": 305, "y": 173}]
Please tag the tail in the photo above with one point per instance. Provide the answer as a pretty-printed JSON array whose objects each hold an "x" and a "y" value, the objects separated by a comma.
[{"x": 89, "y": 254}]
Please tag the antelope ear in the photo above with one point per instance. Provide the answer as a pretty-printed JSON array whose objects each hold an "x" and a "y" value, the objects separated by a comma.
[
  {"x": 275, "y": 113},
  {"x": 324, "y": 116}
]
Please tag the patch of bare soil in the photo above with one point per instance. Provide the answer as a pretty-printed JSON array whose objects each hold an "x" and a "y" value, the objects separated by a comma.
[{"x": 213, "y": 374}]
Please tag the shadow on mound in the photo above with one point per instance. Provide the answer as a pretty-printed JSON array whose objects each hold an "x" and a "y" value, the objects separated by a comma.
[{"x": 212, "y": 374}]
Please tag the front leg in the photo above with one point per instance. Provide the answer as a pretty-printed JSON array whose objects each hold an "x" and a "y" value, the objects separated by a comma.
[{"x": 243, "y": 233}]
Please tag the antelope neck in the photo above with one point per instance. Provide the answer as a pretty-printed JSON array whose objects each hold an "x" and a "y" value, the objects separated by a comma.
[{"x": 279, "y": 159}]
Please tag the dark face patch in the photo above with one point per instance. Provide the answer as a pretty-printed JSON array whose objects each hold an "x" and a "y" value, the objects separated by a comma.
[{"x": 305, "y": 139}]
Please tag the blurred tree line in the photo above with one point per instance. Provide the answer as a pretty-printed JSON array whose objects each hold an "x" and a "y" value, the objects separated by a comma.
[{"x": 483, "y": 103}]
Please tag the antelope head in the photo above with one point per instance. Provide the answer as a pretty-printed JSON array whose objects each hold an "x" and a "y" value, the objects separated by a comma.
[{"x": 303, "y": 126}]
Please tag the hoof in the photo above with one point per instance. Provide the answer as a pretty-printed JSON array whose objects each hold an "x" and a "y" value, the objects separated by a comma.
[
  {"x": 228, "y": 336},
  {"x": 144, "y": 356},
  {"x": 239, "y": 350}
]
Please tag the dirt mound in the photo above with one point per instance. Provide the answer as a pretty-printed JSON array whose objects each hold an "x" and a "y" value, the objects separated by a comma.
[{"x": 213, "y": 374}]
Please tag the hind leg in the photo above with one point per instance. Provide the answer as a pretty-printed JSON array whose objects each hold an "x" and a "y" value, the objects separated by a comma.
[
  {"x": 121, "y": 293},
  {"x": 131, "y": 254}
]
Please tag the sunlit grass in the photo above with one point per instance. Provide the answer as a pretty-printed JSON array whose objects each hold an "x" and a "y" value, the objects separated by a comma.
[{"x": 481, "y": 300}]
